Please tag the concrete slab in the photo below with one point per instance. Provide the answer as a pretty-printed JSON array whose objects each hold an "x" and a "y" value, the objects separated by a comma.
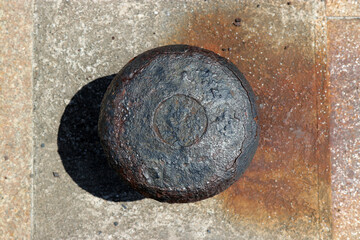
[
  {"x": 285, "y": 192},
  {"x": 344, "y": 70},
  {"x": 15, "y": 118},
  {"x": 343, "y": 8}
]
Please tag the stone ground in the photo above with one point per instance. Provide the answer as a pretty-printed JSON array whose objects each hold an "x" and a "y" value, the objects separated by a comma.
[{"x": 300, "y": 57}]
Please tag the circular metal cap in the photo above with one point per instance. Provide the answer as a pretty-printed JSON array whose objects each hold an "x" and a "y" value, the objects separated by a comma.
[{"x": 179, "y": 123}]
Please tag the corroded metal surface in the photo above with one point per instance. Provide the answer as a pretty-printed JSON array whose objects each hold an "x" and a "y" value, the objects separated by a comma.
[
  {"x": 179, "y": 123},
  {"x": 344, "y": 69}
]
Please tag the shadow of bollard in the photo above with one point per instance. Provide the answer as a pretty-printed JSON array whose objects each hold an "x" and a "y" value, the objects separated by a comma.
[{"x": 80, "y": 150}]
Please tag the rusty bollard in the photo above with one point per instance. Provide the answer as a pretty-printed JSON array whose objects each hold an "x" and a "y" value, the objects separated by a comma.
[{"x": 178, "y": 123}]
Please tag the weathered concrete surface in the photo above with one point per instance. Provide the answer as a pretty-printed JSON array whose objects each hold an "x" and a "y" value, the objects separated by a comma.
[
  {"x": 15, "y": 118},
  {"x": 344, "y": 72},
  {"x": 285, "y": 192},
  {"x": 343, "y": 8}
]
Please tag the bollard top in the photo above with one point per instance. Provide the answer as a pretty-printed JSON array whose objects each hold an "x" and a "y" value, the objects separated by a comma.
[{"x": 179, "y": 123}]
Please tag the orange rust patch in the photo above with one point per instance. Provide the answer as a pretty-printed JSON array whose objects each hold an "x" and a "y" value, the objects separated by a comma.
[{"x": 276, "y": 53}]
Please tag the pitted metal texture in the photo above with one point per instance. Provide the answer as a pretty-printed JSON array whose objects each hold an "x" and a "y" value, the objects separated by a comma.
[{"x": 179, "y": 123}]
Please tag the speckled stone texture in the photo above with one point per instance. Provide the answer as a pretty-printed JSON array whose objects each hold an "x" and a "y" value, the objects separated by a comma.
[
  {"x": 344, "y": 71},
  {"x": 15, "y": 118},
  {"x": 343, "y": 8}
]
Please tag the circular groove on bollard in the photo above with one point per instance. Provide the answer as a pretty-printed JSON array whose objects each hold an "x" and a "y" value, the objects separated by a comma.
[{"x": 179, "y": 123}]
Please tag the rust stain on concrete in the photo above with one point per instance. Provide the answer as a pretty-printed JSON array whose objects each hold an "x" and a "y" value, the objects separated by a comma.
[{"x": 287, "y": 185}]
